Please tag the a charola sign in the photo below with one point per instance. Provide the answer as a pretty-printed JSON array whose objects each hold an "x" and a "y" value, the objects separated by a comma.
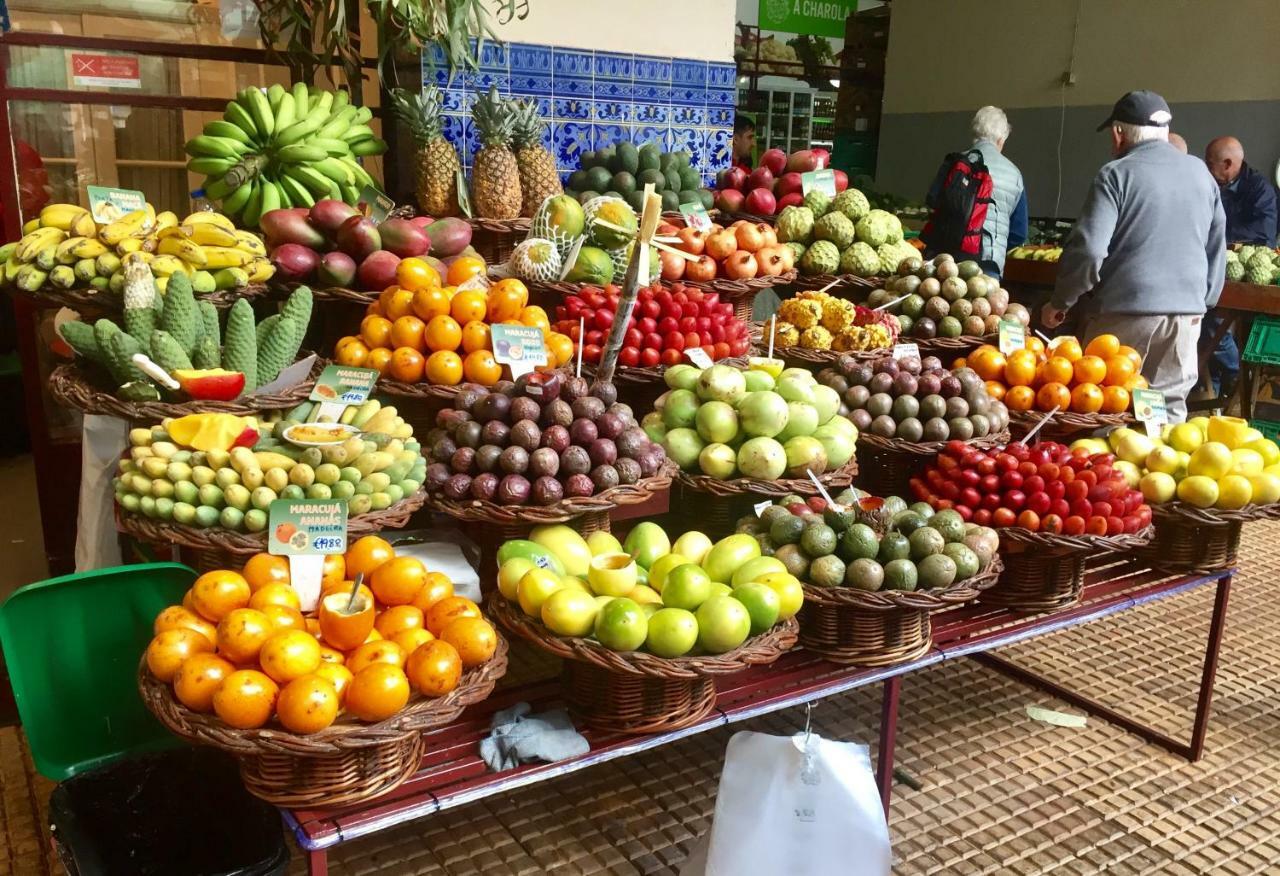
[{"x": 814, "y": 17}]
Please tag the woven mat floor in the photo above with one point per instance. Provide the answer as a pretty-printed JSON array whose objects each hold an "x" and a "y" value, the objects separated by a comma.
[{"x": 999, "y": 792}]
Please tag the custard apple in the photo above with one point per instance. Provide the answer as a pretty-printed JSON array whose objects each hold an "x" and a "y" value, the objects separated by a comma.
[
  {"x": 835, "y": 227},
  {"x": 795, "y": 224},
  {"x": 1261, "y": 258},
  {"x": 821, "y": 258},
  {"x": 536, "y": 259},
  {"x": 890, "y": 256},
  {"x": 1235, "y": 270},
  {"x": 1245, "y": 253},
  {"x": 860, "y": 260},
  {"x": 851, "y": 203},
  {"x": 797, "y": 250},
  {"x": 878, "y": 227},
  {"x": 1258, "y": 273},
  {"x": 818, "y": 202}
]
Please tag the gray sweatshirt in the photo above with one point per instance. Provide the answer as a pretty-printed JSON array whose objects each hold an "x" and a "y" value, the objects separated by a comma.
[{"x": 1150, "y": 239}]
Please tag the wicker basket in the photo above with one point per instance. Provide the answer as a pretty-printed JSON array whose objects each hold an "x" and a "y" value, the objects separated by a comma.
[
  {"x": 845, "y": 282},
  {"x": 888, "y": 464},
  {"x": 1191, "y": 539},
  {"x": 832, "y": 480},
  {"x": 880, "y": 627},
  {"x": 345, "y": 763},
  {"x": 495, "y": 239},
  {"x": 944, "y": 347},
  {"x": 74, "y": 386},
  {"x": 1064, "y": 425},
  {"x": 635, "y": 692},
  {"x": 216, "y": 548},
  {"x": 110, "y": 302},
  {"x": 1045, "y": 571}
]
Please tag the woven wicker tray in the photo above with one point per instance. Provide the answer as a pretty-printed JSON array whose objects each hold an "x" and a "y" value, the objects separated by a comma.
[
  {"x": 1211, "y": 516},
  {"x": 477, "y": 511},
  {"x": 74, "y": 387},
  {"x": 110, "y": 302},
  {"x": 1064, "y": 422},
  {"x": 843, "y": 281},
  {"x": 925, "y": 448},
  {"x": 922, "y": 600},
  {"x": 838, "y": 480},
  {"x": 1017, "y": 538},
  {"x": 756, "y": 651}
]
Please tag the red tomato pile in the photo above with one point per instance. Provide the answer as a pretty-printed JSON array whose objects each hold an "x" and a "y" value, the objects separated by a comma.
[
  {"x": 666, "y": 321},
  {"x": 1045, "y": 488}
]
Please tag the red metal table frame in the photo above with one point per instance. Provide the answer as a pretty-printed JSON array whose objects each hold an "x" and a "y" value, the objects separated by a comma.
[{"x": 453, "y": 775}]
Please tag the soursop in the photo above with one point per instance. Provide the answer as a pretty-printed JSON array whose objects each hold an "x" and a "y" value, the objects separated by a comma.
[
  {"x": 821, "y": 258},
  {"x": 537, "y": 259},
  {"x": 878, "y": 227},
  {"x": 1261, "y": 258},
  {"x": 1235, "y": 270},
  {"x": 890, "y": 256},
  {"x": 1245, "y": 253},
  {"x": 797, "y": 250},
  {"x": 860, "y": 260},
  {"x": 835, "y": 227},
  {"x": 851, "y": 203},
  {"x": 818, "y": 202},
  {"x": 795, "y": 225}
]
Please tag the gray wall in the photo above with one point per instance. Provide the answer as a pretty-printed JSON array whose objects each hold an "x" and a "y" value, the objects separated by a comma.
[{"x": 912, "y": 145}]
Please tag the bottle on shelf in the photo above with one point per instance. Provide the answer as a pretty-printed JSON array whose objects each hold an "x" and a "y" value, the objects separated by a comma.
[{"x": 200, "y": 202}]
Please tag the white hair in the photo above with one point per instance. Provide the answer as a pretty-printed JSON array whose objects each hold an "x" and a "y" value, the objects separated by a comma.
[
  {"x": 990, "y": 123},
  {"x": 1131, "y": 134}
]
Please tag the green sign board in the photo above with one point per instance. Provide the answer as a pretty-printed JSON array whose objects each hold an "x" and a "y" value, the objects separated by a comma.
[{"x": 815, "y": 17}]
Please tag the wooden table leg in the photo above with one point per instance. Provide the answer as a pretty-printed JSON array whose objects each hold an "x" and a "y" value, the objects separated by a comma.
[
  {"x": 318, "y": 862},
  {"x": 888, "y": 738}
]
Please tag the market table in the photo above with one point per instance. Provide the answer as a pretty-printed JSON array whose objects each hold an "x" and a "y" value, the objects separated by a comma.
[{"x": 453, "y": 775}]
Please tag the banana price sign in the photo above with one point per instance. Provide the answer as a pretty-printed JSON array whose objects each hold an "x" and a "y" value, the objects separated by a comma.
[
  {"x": 815, "y": 17},
  {"x": 108, "y": 205}
]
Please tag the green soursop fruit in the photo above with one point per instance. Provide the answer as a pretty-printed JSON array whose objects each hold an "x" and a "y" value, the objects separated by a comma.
[
  {"x": 1260, "y": 259},
  {"x": 1235, "y": 271},
  {"x": 895, "y": 230},
  {"x": 797, "y": 249},
  {"x": 795, "y": 225},
  {"x": 821, "y": 258},
  {"x": 835, "y": 227},
  {"x": 818, "y": 202},
  {"x": 851, "y": 203},
  {"x": 616, "y": 212},
  {"x": 561, "y": 220},
  {"x": 890, "y": 256},
  {"x": 860, "y": 260},
  {"x": 593, "y": 265},
  {"x": 877, "y": 227},
  {"x": 1259, "y": 274},
  {"x": 537, "y": 259}
]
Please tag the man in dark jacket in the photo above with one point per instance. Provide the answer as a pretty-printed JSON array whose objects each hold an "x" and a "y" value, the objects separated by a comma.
[{"x": 1249, "y": 200}]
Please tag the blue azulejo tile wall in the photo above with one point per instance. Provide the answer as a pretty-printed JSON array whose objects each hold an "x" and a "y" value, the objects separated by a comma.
[{"x": 596, "y": 99}]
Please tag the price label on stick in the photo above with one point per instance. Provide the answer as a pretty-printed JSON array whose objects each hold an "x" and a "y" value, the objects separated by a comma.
[
  {"x": 819, "y": 181},
  {"x": 1053, "y": 345},
  {"x": 695, "y": 216},
  {"x": 344, "y": 384},
  {"x": 901, "y": 351},
  {"x": 698, "y": 356},
  {"x": 759, "y": 507},
  {"x": 302, "y": 527},
  {"x": 107, "y": 204},
  {"x": 520, "y": 347},
  {"x": 1013, "y": 336},
  {"x": 375, "y": 204},
  {"x": 1149, "y": 409}
]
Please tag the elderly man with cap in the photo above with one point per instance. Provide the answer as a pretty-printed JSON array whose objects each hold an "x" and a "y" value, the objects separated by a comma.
[{"x": 1150, "y": 247}]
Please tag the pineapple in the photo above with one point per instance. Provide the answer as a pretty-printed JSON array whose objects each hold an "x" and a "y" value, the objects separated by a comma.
[
  {"x": 495, "y": 177},
  {"x": 436, "y": 162},
  {"x": 539, "y": 178}
]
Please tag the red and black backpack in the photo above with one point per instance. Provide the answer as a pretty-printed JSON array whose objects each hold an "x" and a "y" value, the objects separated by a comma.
[{"x": 961, "y": 195}]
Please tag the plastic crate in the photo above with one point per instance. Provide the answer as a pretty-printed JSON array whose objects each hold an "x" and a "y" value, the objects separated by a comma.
[
  {"x": 1264, "y": 341},
  {"x": 1268, "y": 428}
]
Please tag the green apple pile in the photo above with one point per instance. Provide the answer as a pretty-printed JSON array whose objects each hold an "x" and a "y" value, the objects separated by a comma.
[
  {"x": 870, "y": 543},
  {"x": 646, "y": 593},
  {"x": 1208, "y": 462},
  {"x": 728, "y": 422}
]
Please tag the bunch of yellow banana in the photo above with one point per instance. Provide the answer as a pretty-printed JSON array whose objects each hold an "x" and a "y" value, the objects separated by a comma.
[
  {"x": 64, "y": 247},
  {"x": 1036, "y": 253}
]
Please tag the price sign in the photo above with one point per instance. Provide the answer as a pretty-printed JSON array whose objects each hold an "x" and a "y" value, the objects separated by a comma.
[
  {"x": 1149, "y": 409},
  {"x": 698, "y": 356},
  {"x": 1013, "y": 336},
  {"x": 520, "y": 347},
  {"x": 820, "y": 181},
  {"x": 344, "y": 384},
  {"x": 695, "y": 216},
  {"x": 759, "y": 508},
  {"x": 375, "y": 204},
  {"x": 307, "y": 527},
  {"x": 107, "y": 205},
  {"x": 901, "y": 351}
]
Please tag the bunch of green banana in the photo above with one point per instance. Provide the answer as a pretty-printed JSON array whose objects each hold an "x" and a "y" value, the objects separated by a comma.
[
  {"x": 284, "y": 148},
  {"x": 63, "y": 247}
]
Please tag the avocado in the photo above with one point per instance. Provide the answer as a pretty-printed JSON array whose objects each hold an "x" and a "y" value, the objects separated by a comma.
[
  {"x": 588, "y": 160},
  {"x": 628, "y": 157},
  {"x": 636, "y": 200},
  {"x": 673, "y": 179},
  {"x": 647, "y": 157},
  {"x": 589, "y": 194},
  {"x": 681, "y": 158},
  {"x": 598, "y": 178},
  {"x": 689, "y": 178},
  {"x": 708, "y": 199},
  {"x": 624, "y": 183},
  {"x": 670, "y": 201},
  {"x": 651, "y": 176},
  {"x": 578, "y": 180},
  {"x": 688, "y": 196}
]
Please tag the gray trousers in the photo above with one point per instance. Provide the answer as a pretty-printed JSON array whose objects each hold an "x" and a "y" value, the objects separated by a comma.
[{"x": 1168, "y": 348}]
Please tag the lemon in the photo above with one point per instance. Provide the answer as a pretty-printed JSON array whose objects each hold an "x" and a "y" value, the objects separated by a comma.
[
  {"x": 1163, "y": 458},
  {"x": 1212, "y": 459},
  {"x": 1186, "y": 437},
  {"x": 1198, "y": 490},
  {"x": 1234, "y": 491},
  {"x": 1267, "y": 449},
  {"x": 1158, "y": 487}
]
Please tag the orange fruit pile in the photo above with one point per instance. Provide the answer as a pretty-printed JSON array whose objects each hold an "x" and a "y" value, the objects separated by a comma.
[
  {"x": 1096, "y": 379},
  {"x": 427, "y": 329},
  {"x": 239, "y": 646}
]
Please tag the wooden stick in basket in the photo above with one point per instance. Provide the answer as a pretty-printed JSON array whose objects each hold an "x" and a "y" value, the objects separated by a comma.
[
  {"x": 1026, "y": 439},
  {"x": 631, "y": 284}
]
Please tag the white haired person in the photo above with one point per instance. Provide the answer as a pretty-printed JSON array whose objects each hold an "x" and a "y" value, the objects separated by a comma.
[
  {"x": 1149, "y": 246},
  {"x": 953, "y": 225}
]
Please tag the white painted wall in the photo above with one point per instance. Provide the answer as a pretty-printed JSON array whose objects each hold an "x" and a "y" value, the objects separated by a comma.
[{"x": 701, "y": 29}]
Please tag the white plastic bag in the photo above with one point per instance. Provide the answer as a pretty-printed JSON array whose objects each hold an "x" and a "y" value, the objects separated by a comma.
[
  {"x": 97, "y": 545},
  {"x": 799, "y": 805}
]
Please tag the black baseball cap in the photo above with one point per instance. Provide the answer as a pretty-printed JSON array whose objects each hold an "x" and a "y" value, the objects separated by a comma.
[{"x": 1144, "y": 108}]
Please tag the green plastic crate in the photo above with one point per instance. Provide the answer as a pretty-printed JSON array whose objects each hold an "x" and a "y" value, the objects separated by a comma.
[
  {"x": 72, "y": 647},
  {"x": 1268, "y": 428},
  {"x": 1264, "y": 341}
]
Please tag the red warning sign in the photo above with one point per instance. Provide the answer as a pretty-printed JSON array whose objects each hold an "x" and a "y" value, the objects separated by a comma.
[{"x": 111, "y": 71}]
